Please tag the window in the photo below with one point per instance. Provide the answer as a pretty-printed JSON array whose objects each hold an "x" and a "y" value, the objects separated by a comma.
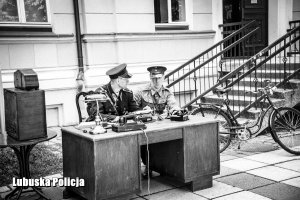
[
  {"x": 169, "y": 11},
  {"x": 24, "y": 12}
]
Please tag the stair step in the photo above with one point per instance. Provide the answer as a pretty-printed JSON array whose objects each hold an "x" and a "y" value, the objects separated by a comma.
[
  {"x": 279, "y": 93},
  {"x": 261, "y": 82},
  {"x": 266, "y": 74},
  {"x": 290, "y": 64}
]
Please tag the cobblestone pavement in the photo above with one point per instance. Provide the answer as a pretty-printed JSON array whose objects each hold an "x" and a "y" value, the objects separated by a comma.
[{"x": 259, "y": 170}]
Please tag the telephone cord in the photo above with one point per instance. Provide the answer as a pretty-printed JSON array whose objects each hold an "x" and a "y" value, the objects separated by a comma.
[{"x": 148, "y": 170}]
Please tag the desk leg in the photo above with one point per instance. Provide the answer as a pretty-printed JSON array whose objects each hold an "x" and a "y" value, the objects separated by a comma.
[
  {"x": 23, "y": 158},
  {"x": 201, "y": 183}
]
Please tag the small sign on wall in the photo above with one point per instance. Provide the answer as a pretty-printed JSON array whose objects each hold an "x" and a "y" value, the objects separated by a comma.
[{"x": 253, "y": 1}]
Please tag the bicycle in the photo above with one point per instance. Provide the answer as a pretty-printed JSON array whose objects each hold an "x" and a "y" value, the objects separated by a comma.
[{"x": 283, "y": 122}]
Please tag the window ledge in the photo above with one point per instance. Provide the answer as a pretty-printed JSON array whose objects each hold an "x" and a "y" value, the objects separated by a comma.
[
  {"x": 172, "y": 26},
  {"x": 32, "y": 34},
  {"x": 8, "y": 37},
  {"x": 158, "y": 35}
]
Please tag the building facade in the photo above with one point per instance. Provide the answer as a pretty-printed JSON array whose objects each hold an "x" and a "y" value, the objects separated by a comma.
[{"x": 41, "y": 34}]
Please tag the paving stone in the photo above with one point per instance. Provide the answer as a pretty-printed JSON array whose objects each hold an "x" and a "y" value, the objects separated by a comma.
[
  {"x": 293, "y": 165},
  {"x": 273, "y": 157},
  {"x": 225, "y": 171},
  {"x": 54, "y": 193},
  {"x": 224, "y": 157},
  {"x": 245, "y": 181},
  {"x": 155, "y": 186},
  {"x": 294, "y": 182},
  {"x": 274, "y": 173},
  {"x": 242, "y": 164},
  {"x": 175, "y": 194},
  {"x": 219, "y": 189},
  {"x": 237, "y": 153},
  {"x": 244, "y": 195},
  {"x": 4, "y": 189},
  {"x": 30, "y": 196},
  {"x": 278, "y": 191}
]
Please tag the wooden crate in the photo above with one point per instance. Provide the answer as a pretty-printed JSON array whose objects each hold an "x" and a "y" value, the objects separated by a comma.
[{"x": 25, "y": 113}]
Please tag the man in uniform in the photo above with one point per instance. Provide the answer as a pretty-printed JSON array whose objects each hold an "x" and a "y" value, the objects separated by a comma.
[
  {"x": 157, "y": 97},
  {"x": 120, "y": 99}
]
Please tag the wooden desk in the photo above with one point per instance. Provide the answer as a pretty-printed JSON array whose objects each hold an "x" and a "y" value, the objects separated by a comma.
[{"x": 110, "y": 163}]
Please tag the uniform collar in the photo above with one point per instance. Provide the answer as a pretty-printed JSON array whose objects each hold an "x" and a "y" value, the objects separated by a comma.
[
  {"x": 111, "y": 89},
  {"x": 149, "y": 88}
]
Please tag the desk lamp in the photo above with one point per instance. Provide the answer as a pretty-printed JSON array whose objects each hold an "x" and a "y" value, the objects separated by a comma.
[{"x": 102, "y": 98}]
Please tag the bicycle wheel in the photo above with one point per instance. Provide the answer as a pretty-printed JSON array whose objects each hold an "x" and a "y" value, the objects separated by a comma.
[
  {"x": 285, "y": 127},
  {"x": 213, "y": 113}
]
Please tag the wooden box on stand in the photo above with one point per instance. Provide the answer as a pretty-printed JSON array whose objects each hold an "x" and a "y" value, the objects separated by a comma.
[{"x": 25, "y": 113}]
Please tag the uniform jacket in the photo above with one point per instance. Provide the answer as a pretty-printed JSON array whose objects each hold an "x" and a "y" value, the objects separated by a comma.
[
  {"x": 156, "y": 100},
  {"x": 123, "y": 104}
]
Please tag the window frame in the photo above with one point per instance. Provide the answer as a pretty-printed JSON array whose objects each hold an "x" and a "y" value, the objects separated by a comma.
[
  {"x": 22, "y": 17},
  {"x": 171, "y": 25}
]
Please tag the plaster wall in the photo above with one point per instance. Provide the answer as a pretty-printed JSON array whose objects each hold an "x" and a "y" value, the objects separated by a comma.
[{"x": 280, "y": 13}]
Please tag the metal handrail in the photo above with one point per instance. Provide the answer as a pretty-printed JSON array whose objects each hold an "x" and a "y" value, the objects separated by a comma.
[
  {"x": 258, "y": 55},
  {"x": 262, "y": 58},
  {"x": 294, "y": 21},
  {"x": 209, "y": 49},
  {"x": 215, "y": 56}
]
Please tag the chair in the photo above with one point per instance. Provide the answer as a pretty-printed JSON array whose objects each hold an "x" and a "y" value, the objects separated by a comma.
[{"x": 80, "y": 97}]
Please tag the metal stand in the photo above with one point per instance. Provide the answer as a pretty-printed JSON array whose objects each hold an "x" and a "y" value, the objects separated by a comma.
[
  {"x": 23, "y": 159},
  {"x": 95, "y": 98}
]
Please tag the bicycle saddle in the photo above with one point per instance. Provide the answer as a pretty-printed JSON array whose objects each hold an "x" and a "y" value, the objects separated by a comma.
[{"x": 222, "y": 90}]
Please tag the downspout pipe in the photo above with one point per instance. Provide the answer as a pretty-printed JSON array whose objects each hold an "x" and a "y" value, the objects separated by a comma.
[{"x": 80, "y": 75}]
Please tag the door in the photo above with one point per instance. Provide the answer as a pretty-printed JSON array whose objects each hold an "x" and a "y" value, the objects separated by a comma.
[{"x": 257, "y": 10}]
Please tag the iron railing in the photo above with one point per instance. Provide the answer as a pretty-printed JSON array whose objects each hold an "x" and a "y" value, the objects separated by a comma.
[
  {"x": 271, "y": 63},
  {"x": 295, "y": 48},
  {"x": 202, "y": 72},
  {"x": 239, "y": 50}
]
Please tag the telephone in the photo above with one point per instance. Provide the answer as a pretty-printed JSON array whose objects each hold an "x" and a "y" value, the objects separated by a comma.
[
  {"x": 144, "y": 115},
  {"x": 179, "y": 115},
  {"x": 123, "y": 125}
]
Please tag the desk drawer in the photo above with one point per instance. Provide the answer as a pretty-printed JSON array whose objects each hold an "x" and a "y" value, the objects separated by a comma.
[{"x": 160, "y": 136}]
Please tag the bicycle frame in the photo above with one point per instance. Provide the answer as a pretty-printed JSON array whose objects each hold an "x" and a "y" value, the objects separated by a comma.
[{"x": 258, "y": 121}]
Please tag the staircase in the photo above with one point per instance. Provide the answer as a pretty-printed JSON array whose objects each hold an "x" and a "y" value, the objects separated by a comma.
[
  {"x": 199, "y": 74},
  {"x": 195, "y": 81}
]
